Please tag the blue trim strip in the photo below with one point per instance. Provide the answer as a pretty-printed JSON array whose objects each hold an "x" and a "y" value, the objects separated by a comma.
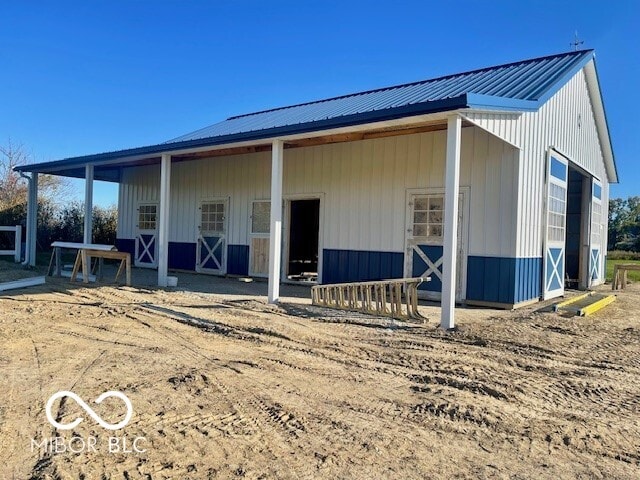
[
  {"x": 479, "y": 101},
  {"x": 341, "y": 266},
  {"x": 558, "y": 169},
  {"x": 238, "y": 259},
  {"x": 597, "y": 191},
  {"x": 555, "y": 84}
]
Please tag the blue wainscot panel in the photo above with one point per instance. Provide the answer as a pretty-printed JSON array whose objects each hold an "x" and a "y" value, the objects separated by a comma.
[
  {"x": 342, "y": 266},
  {"x": 126, "y": 245},
  {"x": 182, "y": 255},
  {"x": 528, "y": 277},
  {"x": 238, "y": 259},
  {"x": 503, "y": 280}
]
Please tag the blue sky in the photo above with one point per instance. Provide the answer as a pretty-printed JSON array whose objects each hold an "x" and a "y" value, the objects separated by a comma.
[{"x": 88, "y": 77}]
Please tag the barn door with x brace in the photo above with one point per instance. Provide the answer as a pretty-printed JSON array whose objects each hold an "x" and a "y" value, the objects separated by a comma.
[
  {"x": 211, "y": 250},
  {"x": 556, "y": 223},
  {"x": 595, "y": 249},
  {"x": 425, "y": 237},
  {"x": 146, "y": 254}
]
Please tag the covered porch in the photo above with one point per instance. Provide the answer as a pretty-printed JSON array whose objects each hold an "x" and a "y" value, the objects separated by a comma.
[{"x": 109, "y": 167}]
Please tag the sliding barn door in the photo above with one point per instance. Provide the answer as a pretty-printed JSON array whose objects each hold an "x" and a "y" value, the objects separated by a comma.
[
  {"x": 556, "y": 227},
  {"x": 595, "y": 250}
]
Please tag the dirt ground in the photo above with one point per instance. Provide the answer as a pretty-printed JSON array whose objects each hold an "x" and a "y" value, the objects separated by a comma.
[{"x": 230, "y": 387}]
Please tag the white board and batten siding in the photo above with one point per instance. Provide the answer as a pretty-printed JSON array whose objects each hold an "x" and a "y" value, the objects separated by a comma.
[
  {"x": 364, "y": 186},
  {"x": 565, "y": 122}
]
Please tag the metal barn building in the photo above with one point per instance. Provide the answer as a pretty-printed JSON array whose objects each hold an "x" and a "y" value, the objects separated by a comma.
[{"x": 493, "y": 182}]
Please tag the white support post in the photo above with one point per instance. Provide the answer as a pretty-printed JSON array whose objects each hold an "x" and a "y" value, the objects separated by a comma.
[
  {"x": 18, "y": 255},
  {"x": 32, "y": 219},
  {"x": 275, "y": 238},
  {"x": 88, "y": 204},
  {"x": 163, "y": 220},
  {"x": 451, "y": 189}
]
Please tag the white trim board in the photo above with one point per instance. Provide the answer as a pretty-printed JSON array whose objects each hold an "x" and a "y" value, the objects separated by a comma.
[{"x": 26, "y": 282}]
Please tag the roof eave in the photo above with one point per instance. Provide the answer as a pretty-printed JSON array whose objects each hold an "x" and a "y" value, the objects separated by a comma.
[
  {"x": 593, "y": 84},
  {"x": 477, "y": 101},
  {"x": 438, "y": 106}
]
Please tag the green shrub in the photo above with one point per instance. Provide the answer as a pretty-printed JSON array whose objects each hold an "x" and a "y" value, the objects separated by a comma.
[{"x": 623, "y": 255}]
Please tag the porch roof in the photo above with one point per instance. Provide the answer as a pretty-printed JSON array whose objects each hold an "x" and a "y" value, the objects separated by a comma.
[{"x": 519, "y": 86}]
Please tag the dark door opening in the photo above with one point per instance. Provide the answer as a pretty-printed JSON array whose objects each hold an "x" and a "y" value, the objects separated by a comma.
[
  {"x": 577, "y": 230},
  {"x": 304, "y": 229},
  {"x": 574, "y": 202}
]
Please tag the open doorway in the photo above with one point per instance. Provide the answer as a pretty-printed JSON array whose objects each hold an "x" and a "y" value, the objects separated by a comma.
[
  {"x": 578, "y": 229},
  {"x": 303, "y": 238},
  {"x": 574, "y": 222}
]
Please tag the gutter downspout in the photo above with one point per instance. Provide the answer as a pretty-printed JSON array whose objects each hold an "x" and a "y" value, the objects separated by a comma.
[{"x": 29, "y": 219}]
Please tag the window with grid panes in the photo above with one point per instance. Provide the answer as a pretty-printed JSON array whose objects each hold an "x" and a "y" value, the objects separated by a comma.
[
  {"x": 147, "y": 217},
  {"x": 428, "y": 213},
  {"x": 260, "y": 217},
  {"x": 557, "y": 209},
  {"x": 596, "y": 218},
  {"x": 212, "y": 217}
]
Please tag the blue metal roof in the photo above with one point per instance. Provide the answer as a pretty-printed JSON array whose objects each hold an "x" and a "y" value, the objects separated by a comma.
[{"x": 518, "y": 86}]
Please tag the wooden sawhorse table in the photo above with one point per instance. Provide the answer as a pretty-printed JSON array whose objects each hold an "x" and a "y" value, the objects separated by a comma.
[
  {"x": 84, "y": 258},
  {"x": 620, "y": 274}
]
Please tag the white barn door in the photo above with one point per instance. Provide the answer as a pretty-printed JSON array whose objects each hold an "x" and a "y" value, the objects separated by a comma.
[
  {"x": 146, "y": 254},
  {"x": 424, "y": 241},
  {"x": 556, "y": 226},
  {"x": 211, "y": 249},
  {"x": 597, "y": 230}
]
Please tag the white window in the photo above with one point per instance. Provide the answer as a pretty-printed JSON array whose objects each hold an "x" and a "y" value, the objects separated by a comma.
[
  {"x": 428, "y": 214},
  {"x": 596, "y": 223},
  {"x": 212, "y": 217},
  {"x": 147, "y": 216},
  {"x": 557, "y": 208},
  {"x": 260, "y": 217}
]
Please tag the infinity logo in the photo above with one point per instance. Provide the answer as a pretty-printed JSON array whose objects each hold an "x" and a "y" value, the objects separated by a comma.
[{"x": 89, "y": 410}]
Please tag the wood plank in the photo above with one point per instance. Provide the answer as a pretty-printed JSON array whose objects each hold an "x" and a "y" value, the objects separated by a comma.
[
  {"x": 92, "y": 246},
  {"x": 259, "y": 256},
  {"x": 27, "y": 282},
  {"x": 322, "y": 140}
]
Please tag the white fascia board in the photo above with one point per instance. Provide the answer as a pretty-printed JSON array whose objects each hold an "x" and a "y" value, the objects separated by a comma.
[
  {"x": 397, "y": 123},
  {"x": 601, "y": 120}
]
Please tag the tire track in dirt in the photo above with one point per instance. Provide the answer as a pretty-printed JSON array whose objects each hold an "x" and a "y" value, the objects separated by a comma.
[{"x": 250, "y": 411}]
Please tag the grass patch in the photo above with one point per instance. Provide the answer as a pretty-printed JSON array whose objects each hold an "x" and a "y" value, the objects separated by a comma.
[{"x": 633, "y": 276}]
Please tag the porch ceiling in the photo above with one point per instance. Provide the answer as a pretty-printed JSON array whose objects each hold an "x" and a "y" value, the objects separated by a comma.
[{"x": 110, "y": 169}]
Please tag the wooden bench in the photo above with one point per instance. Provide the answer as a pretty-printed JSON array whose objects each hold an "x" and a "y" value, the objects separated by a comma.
[
  {"x": 620, "y": 274},
  {"x": 83, "y": 259}
]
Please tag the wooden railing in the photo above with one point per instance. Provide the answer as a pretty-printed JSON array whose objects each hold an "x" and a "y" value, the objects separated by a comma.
[{"x": 396, "y": 298}]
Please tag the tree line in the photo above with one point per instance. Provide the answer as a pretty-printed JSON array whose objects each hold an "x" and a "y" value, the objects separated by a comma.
[
  {"x": 57, "y": 218},
  {"x": 624, "y": 224}
]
